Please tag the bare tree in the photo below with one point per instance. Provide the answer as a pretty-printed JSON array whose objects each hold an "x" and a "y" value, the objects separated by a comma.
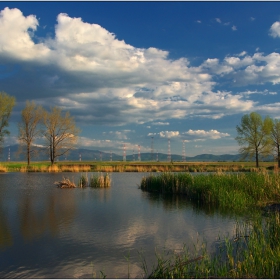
[
  {"x": 61, "y": 133},
  {"x": 6, "y": 106},
  {"x": 29, "y": 127},
  {"x": 254, "y": 136}
]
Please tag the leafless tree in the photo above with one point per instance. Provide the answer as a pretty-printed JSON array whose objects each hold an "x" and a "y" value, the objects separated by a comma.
[
  {"x": 29, "y": 127},
  {"x": 61, "y": 132}
]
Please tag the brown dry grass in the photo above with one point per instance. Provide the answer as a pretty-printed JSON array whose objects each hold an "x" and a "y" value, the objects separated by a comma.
[{"x": 3, "y": 168}]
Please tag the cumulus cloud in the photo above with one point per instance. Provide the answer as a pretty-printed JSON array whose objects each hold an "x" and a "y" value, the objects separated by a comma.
[
  {"x": 102, "y": 80},
  {"x": 243, "y": 69},
  {"x": 203, "y": 135},
  {"x": 274, "y": 30},
  {"x": 169, "y": 134}
]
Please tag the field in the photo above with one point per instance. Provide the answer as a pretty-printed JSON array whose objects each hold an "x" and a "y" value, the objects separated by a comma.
[{"x": 134, "y": 166}]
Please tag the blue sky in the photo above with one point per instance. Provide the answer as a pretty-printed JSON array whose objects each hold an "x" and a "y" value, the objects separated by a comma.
[{"x": 129, "y": 71}]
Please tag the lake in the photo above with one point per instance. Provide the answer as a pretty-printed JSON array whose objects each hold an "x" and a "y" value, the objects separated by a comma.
[{"x": 47, "y": 232}]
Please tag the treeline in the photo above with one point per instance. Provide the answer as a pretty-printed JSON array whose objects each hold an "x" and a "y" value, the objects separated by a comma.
[
  {"x": 57, "y": 129},
  {"x": 258, "y": 137}
]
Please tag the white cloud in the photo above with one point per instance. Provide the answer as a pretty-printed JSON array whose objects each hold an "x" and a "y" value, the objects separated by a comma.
[
  {"x": 242, "y": 53},
  {"x": 110, "y": 145},
  {"x": 218, "y": 20},
  {"x": 103, "y": 80},
  {"x": 15, "y": 38},
  {"x": 203, "y": 135},
  {"x": 213, "y": 65},
  {"x": 234, "y": 28},
  {"x": 264, "y": 92},
  {"x": 160, "y": 123},
  {"x": 274, "y": 30},
  {"x": 169, "y": 134}
]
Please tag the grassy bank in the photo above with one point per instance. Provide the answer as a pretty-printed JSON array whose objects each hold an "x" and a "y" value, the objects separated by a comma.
[
  {"x": 133, "y": 166},
  {"x": 254, "y": 252},
  {"x": 237, "y": 192}
]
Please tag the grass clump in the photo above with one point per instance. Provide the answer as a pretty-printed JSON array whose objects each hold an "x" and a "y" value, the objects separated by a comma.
[
  {"x": 254, "y": 252},
  {"x": 233, "y": 191},
  {"x": 95, "y": 181}
]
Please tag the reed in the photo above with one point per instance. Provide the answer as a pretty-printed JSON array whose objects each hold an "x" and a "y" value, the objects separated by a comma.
[
  {"x": 238, "y": 192},
  {"x": 3, "y": 168},
  {"x": 252, "y": 253},
  {"x": 95, "y": 181},
  {"x": 83, "y": 181},
  {"x": 65, "y": 183},
  {"x": 75, "y": 168}
]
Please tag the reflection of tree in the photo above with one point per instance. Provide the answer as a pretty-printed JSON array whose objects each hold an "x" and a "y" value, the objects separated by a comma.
[
  {"x": 52, "y": 213},
  {"x": 5, "y": 233}
]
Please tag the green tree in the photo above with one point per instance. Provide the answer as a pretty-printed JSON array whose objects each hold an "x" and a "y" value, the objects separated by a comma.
[
  {"x": 254, "y": 136},
  {"x": 275, "y": 137},
  {"x": 29, "y": 127},
  {"x": 61, "y": 132},
  {"x": 7, "y": 104}
]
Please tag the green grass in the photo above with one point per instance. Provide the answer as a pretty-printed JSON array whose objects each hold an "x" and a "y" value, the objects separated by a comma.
[{"x": 237, "y": 192}]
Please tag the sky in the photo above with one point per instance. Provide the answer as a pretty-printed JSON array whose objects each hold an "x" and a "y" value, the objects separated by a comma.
[{"x": 134, "y": 73}]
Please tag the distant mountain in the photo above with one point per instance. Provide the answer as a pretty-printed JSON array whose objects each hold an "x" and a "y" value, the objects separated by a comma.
[{"x": 95, "y": 155}]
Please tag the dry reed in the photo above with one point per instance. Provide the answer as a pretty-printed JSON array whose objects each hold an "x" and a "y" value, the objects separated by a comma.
[
  {"x": 65, "y": 183},
  {"x": 3, "y": 168}
]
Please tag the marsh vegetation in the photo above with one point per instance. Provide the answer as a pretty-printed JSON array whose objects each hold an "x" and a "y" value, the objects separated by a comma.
[
  {"x": 238, "y": 192},
  {"x": 253, "y": 252},
  {"x": 92, "y": 181}
]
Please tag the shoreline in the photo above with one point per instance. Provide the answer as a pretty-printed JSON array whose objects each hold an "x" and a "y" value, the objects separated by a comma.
[{"x": 133, "y": 166}]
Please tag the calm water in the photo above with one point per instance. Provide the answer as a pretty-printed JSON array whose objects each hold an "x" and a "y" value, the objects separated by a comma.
[{"x": 46, "y": 232}]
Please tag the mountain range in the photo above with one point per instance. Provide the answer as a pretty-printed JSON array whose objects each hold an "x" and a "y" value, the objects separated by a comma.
[{"x": 11, "y": 153}]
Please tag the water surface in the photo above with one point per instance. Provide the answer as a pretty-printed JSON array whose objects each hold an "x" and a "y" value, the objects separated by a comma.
[{"x": 47, "y": 232}]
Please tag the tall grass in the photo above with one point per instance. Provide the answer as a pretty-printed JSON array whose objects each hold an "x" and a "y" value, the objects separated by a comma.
[
  {"x": 235, "y": 191},
  {"x": 254, "y": 252},
  {"x": 95, "y": 181},
  {"x": 55, "y": 168},
  {"x": 3, "y": 168}
]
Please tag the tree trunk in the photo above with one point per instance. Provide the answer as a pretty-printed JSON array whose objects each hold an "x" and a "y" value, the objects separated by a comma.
[
  {"x": 278, "y": 155},
  {"x": 28, "y": 154},
  {"x": 257, "y": 158}
]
